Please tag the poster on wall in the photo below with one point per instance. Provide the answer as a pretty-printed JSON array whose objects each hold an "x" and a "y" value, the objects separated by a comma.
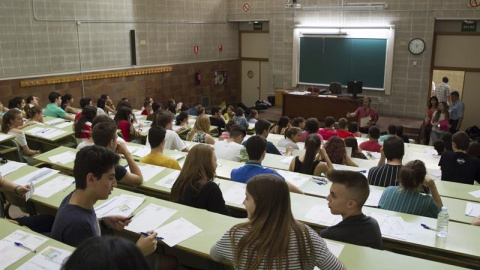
[{"x": 221, "y": 77}]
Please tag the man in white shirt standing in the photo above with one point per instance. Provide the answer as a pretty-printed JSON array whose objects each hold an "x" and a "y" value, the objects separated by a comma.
[{"x": 232, "y": 148}]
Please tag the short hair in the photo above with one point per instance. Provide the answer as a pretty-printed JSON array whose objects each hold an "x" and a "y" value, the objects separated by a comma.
[
  {"x": 253, "y": 113},
  {"x": 53, "y": 96},
  {"x": 29, "y": 99},
  {"x": 342, "y": 123},
  {"x": 196, "y": 103},
  {"x": 455, "y": 94},
  {"x": 103, "y": 133},
  {"x": 215, "y": 109},
  {"x": 66, "y": 98},
  {"x": 101, "y": 119},
  {"x": 329, "y": 121},
  {"x": 445, "y": 79},
  {"x": 411, "y": 175},
  {"x": 33, "y": 110},
  {"x": 312, "y": 125},
  {"x": 239, "y": 111},
  {"x": 229, "y": 124},
  {"x": 106, "y": 253},
  {"x": 162, "y": 118},
  {"x": 439, "y": 146},
  {"x": 461, "y": 140},
  {"x": 392, "y": 129},
  {"x": 85, "y": 102},
  {"x": 101, "y": 103},
  {"x": 447, "y": 139},
  {"x": 261, "y": 125},
  {"x": 104, "y": 96},
  {"x": 296, "y": 121},
  {"x": 156, "y": 135},
  {"x": 353, "y": 127},
  {"x": 92, "y": 159},
  {"x": 256, "y": 146},
  {"x": 156, "y": 106},
  {"x": 474, "y": 149},
  {"x": 355, "y": 183},
  {"x": 393, "y": 148},
  {"x": 374, "y": 132},
  {"x": 237, "y": 130}
]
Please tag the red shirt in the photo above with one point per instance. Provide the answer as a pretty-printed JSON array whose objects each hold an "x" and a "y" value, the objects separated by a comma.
[
  {"x": 344, "y": 134},
  {"x": 370, "y": 146},
  {"x": 86, "y": 131},
  {"x": 144, "y": 112},
  {"x": 327, "y": 133},
  {"x": 362, "y": 112},
  {"x": 124, "y": 127}
]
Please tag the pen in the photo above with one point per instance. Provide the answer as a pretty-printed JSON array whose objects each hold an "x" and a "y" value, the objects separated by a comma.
[
  {"x": 20, "y": 245},
  {"x": 146, "y": 235},
  {"x": 425, "y": 226},
  {"x": 362, "y": 171},
  {"x": 130, "y": 217},
  {"x": 68, "y": 186}
]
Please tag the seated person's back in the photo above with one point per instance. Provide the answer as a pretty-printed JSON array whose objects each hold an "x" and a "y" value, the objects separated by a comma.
[
  {"x": 232, "y": 148},
  {"x": 372, "y": 144},
  {"x": 156, "y": 137},
  {"x": 385, "y": 175}
]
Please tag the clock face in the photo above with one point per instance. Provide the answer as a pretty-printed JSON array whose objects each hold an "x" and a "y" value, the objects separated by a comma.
[{"x": 416, "y": 46}]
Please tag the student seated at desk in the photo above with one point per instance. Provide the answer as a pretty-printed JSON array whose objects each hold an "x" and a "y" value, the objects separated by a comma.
[
  {"x": 391, "y": 131},
  {"x": 385, "y": 175},
  {"x": 156, "y": 138},
  {"x": 12, "y": 120},
  {"x": 342, "y": 131},
  {"x": 353, "y": 128},
  {"x": 34, "y": 115},
  {"x": 256, "y": 150},
  {"x": 155, "y": 107},
  {"x": 193, "y": 110},
  {"x": 353, "y": 144},
  {"x": 262, "y": 129},
  {"x": 299, "y": 122},
  {"x": 194, "y": 186},
  {"x": 311, "y": 127},
  {"x": 230, "y": 113},
  {"x": 17, "y": 103},
  {"x": 252, "y": 119},
  {"x": 105, "y": 134},
  {"x": 401, "y": 135},
  {"x": 328, "y": 131},
  {"x": 348, "y": 194},
  {"x": 292, "y": 136},
  {"x": 96, "y": 120},
  {"x": 232, "y": 148},
  {"x": 239, "y": 117},
  {"x": 67, "y": 104},
  {"x": 124, "y": 121},
  {"x": 217, "y": 119},
  {"x": 406, "y": 197},
  {"x": 336, "y": 150},
  {"x": 76, "y": 220},
  {"x": 109, "y": 106},
  {"x": 148, "y": 108},
  {"x": 172, "y": 140},
  {"x": 272, "y": 238},
  {"x": 281, "y": 126},
  {"x": 310, "y": 163},
  {"x": 83, "y": 126},
  {"x": 201, "y": 131},
  {"x": 32, "y": 101},
  {"x": 53, "y": 108},
  {"x": 372, "y": 144},
  {"x": 457, "y": 166}
]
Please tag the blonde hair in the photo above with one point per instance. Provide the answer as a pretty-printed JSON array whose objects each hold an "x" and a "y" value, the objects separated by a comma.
[{"x": 201, "y": 124}]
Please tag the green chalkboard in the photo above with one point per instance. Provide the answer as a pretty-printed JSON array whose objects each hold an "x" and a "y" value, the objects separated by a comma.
[{"x": 333, "y": 59}]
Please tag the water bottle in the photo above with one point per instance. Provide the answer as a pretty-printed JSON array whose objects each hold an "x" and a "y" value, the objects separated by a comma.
[{"x": 442, "y": 223}]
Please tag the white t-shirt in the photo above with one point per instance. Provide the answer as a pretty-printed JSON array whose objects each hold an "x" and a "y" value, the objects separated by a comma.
[
  {"x": 228, "y": 150},
  {"x": 172, "y": 141}
]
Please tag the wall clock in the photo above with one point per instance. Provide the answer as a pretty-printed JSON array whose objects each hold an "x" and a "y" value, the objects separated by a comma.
[{"x": 416, "y": 46}]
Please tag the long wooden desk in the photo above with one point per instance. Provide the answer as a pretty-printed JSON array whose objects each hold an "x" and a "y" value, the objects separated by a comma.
[{"x": 319, "y": 107}]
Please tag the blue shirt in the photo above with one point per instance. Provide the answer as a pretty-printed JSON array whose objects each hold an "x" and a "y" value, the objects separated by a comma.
[
  {"x": 251, "y": 169},
  {"x": 192, "y": 111},
  {"x": 456, "y": 110}
]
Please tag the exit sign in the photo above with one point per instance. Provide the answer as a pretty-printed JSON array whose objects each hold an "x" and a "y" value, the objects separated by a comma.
[
  {"x": 257, "y": 26},
  {"x": 469, "y": 26}
]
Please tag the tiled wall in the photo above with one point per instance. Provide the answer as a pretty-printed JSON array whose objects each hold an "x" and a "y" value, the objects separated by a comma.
[{"x": 412, "y": 18}]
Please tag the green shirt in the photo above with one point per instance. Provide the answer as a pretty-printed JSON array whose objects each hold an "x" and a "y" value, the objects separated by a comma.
[{"x": 53, "y": 110}]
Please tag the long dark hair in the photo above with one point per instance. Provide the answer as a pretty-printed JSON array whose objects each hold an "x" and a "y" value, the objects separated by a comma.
[
  {"x": 123, "y": 113},
  {"x": 312, "y": 144},
  {"x": 430, "y": 102},
  {"x": 88, "y": 113}
]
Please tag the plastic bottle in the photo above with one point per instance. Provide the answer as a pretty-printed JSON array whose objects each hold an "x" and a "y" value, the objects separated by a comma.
[{"x": 442, "y": 223}]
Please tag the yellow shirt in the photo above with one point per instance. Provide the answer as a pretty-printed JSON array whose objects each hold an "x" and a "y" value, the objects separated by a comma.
[{"x": 161, "y": 160}]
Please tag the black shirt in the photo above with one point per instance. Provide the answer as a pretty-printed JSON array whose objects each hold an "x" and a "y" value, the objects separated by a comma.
[
  {"x": 459, "y": 167},
  {"x": 218, "y": 122},
  {"x": 210, "y": 198},
  {"x": 384, "y": 176},
  {"x": 358, "y": 230},
  {"x": 120, "y": 172}
]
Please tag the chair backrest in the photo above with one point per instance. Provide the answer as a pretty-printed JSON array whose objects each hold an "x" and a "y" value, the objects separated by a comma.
[{"x": 335, "y": 88}]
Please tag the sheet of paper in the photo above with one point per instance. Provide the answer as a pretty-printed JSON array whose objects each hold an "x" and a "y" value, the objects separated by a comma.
[
  {"x": 177, "y": 231},
  {"x": 150, "y": 218},
  {"x": 321, "y": 214},
  {"x": 287, "y": 160},
  {"x": 51, "y": 258},
  {"x": 364, "y": 121},
  {"x": 379, "y": 217},
  {"x": 431, "y": 151},
  {"x": 30, "y": 192},
  {"x": 235, "y": 194},
  {"x": 142, "y": 151},
  {"x": 434, "y": 173},
  {"x": 11, "y": 166},
  {"x": 374, "y": 155},
  {"x": 132, "y": 149},
  {"x": 29, "y": 240},
  {"x": 36, "y": 176},
  {"x": 46, "y": 132},
  {"x": 63, "y": 158},
  {"x": 168, "y": 180},
  {"x": 293, "y": 178},
  {"x": 395, "y": 227},
  {"x": 122, "y": 205},
  {"x": 63, "y": 125},
  {"x": 374, "y": 197},
  {"x": 54, "y": 121},
  {"x": 475, "y": 193},
  {"x": 335, "y": 248},
  {"x": 57, "y": 184},
  {"x": 472, "y": 209},
  {"x": 4, "y": 136},
  {"x": 176, "y": 156},
  {"x": 149, "y": 171},
  {"x": 10, "y": 254}
]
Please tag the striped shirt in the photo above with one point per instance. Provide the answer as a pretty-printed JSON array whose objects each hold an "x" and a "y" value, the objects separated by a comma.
[
  {"x": 410, "y": 202},
  {"x": 384, "y": 176},
  {"x": 320, "y": 256}
]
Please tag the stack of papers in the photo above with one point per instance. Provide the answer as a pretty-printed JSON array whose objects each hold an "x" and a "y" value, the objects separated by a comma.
[
  {"x": 321, "y": 214},
  {"x": 293, "y": 178},
  {"x": 54, "y": 121},
  {"x": 63, "y": 125},
  {"x": 36, "y": 176},
  {"x": 63, "y": 158},
  {"x": 122, "y": 205},
  {"x": 150, "y": 218},
  {"x": 374, "y": 197},
  {"x": 12, "y": 253},
  {"x": 57, "y": 184},
  {"x": 46, "y": 132},
  {"x": 149, "y": 171},
  {"x": 235, "y": 194},
  {"x": 51, "y": 258},
  {"x": 287, "y": 160},
  {"x": 395, "y": 227},
  {"x": 11, "y": 166},
  {"x": 168, "y": 180},
  {"x": 177, "y": 231}
]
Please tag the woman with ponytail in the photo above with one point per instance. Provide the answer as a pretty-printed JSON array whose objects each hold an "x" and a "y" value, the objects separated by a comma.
[
  {"x": 407, "y": 197},
  {"x": 292, "y": 137},
  {"x": 310, "y": 162}
]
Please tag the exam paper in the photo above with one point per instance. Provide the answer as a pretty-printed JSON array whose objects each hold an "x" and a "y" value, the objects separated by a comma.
[
  {"x": 63, "y": 158},
  {"x": 379, "y": 217},
  {"x": 122, "y": 205},
  {"x": 235, "y": 194},
  {"x": 149, "y": 171},
  {"x": 168, "y": 180},
  {"x": 54, "y": 121},
  {"x": 321, "y": 214},
  {"x": 431, "y": 151},
  {"x": 65, "y": 124},
  {"x": 36, "y": 176},
  {"x": 177, "y": 231},
  {"x": 30, "y": 192},
  {"x": 150, "y": 218},
  {"x": 395, "y": 227},
  {"x": 472, "y": 209},
  {"x": 287, "y": 160},
  {"x": 293, "y": 178},
  {"x": 57, "y": 184},
  {"x": 142, "y": 151},
  {"x": 4, "y": 136},
  {"x": 434, "y": 173},
  {"x": 51, "y": 258},
  {"x": 475, "y": 193},
  {"x": 335, "y": 248},
  {"x": 45, "y": 132},
  {"x": 11, "y": 166},
  {"x": 10, "y": 254},
  {"x": 364, "y": 121},
  {"x": 374, "y": 197},
  {"x": 176, "y": 156},
  {"x": 31, "y": 241}
]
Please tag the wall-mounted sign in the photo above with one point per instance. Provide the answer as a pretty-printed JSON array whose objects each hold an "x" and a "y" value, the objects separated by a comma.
[
  {"x": 257, "y": 26},
  {"x": 469, "y": 26}
]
